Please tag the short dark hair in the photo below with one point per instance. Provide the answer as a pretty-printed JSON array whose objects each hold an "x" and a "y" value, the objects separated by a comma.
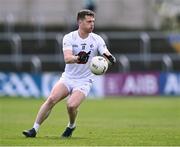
[{"x": 85, "y": 12}]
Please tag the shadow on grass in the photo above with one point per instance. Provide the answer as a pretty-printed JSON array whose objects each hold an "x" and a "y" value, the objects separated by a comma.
[{"x": 61, "y": 138}]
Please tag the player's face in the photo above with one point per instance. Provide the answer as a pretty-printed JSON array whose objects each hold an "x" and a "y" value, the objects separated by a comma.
[{"x": 87, "y": 24}]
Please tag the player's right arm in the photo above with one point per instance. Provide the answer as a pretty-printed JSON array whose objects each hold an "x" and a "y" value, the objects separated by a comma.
[
  {"x": 69, "y": 57},
  {"x": 81, "y": 58}
]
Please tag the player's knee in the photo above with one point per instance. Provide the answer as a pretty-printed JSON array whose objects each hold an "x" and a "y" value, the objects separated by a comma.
[
  {"x": 71, "y": 106},
  {"x": 51, "y": 101}
]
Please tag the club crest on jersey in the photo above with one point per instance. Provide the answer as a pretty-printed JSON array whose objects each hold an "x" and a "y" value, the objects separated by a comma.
[{"x": 91, "y": 46}]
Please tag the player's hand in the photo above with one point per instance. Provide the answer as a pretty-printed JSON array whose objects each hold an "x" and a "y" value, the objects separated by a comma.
[
  {"x": 111, "y": 59},
  {"x": 83, "y": 57}
]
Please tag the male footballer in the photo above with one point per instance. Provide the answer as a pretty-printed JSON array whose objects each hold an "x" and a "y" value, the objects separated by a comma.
[{"x": 75, "y": 83}]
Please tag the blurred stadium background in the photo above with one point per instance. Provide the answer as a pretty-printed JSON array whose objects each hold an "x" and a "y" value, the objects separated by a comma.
[
  {"x": 141, "y": 92},
  {"x": 142, "y": 34}
]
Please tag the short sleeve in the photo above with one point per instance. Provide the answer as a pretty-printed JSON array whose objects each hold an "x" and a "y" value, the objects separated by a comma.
[
  {"x": 67, "y": 45},
  {"x": 102, "y": 48}
]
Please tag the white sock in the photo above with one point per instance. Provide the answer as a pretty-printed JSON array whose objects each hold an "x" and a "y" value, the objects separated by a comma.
[
  {"x": 71, "y": 125},
  {"x": 36, "y": 126}
]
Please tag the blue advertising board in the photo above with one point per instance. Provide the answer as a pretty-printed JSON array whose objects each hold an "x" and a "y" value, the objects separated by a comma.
[
  {"x": 169, "y": 83},
  {"x": 38, "y": 85}
]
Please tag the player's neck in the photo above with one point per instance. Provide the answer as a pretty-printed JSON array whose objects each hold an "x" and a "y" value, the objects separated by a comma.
[{"x": 83, "y": 34}]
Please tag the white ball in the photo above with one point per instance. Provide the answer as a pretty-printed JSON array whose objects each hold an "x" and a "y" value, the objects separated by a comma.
[{"x": 98, "y": 65}]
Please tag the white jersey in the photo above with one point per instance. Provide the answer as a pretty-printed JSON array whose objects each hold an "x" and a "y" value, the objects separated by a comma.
[{"x": 93, "y": 43}]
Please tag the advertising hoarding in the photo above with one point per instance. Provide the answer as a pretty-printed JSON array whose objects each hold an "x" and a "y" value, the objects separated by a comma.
[
  {"x": 169, "y": 83},
  {"x": 119, "y": 84},
  {"x": 132, "y": 84},
  {"x": 38, "y": 85}
]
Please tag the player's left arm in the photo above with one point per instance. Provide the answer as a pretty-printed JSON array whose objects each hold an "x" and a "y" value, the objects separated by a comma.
[
  {"x": 104, "y": 51},
  {"x": 111, "y": 59}
]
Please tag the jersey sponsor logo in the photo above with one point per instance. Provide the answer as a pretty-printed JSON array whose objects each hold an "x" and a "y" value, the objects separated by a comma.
[
  {"x": 75, "y": 45},
  {"x": 83, "y": 46}
]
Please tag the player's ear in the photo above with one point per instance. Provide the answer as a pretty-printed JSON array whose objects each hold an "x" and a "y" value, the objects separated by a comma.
[{"x": 79, "y": 21}]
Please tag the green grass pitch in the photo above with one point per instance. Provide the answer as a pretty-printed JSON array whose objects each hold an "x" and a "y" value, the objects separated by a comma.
[{"x": 123, "y": 121}]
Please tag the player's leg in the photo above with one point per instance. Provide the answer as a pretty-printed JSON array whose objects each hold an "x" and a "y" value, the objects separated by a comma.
[
  {"x": 72, "y": 107},
  {"x": 58, "y": 93}
]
